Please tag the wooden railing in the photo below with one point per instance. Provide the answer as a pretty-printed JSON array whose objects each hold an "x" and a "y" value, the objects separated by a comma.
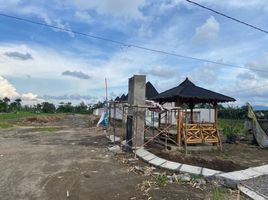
[{"x": 200, "y": 133}]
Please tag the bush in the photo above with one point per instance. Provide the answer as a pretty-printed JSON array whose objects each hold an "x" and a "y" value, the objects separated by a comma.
[{"x": 231, "y": 128}]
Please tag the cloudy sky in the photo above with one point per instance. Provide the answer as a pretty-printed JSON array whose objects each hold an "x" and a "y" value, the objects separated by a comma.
[{"x": 40, "y": 63}]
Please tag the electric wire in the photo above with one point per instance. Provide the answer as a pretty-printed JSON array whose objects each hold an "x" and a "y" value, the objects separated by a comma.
[
  {"x": 227, "y": 16},
  {"x": 131, "y": 45}
]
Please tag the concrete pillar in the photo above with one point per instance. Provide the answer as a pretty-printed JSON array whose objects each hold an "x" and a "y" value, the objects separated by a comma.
[{"x": 136, "y": 97}]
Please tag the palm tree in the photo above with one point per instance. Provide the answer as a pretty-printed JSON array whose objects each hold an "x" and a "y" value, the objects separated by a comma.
[
  {"x": 18, "y": 102},
  {"x": 6, "y": 100}
]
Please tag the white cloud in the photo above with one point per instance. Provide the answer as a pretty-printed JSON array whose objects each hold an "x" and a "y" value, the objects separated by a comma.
[
  {"x": 130, "y": 9},
  {"x": 29, "y": 10},
  {"x": 249, "y": 87},
  {"x": 29, "y": 96},
  {"x": 227, "y": 4},
  {"x": 260, "y": 63},
  {"x": 145, "y": 31},
  {"x": 238, "y": 3},
  {"x": 160, "y": 71},
  {"x": 47, "y": 63},
  {"x": 84, "y": 16},
  {"x": 7, "y": 89},
  {"x": 30, "y": 99},
  {"x": 207, "y": 73},
  {"x": 208, "y": 31},
  {"x": 10, "y": 91},
  {"x": 57, "y": 23}
]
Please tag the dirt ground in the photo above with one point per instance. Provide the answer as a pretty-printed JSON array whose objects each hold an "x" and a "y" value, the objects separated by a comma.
[
  {"x": 233, "y": 156},
  {"x": 71, "y": 161}
]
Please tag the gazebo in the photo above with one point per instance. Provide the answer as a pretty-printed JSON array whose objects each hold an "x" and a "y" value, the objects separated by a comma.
[{"x": 187, "y": 93}]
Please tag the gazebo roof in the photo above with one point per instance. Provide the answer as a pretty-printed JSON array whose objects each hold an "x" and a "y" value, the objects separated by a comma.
[{"x": 187, "y": 92}]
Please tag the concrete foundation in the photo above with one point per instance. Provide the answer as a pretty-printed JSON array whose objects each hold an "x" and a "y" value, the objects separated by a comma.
[{"x": 136, "y": 97}]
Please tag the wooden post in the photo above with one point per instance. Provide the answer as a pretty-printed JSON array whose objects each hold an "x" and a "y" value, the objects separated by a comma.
[
  {"x": 159, "y": 121},
  {"x": 185, "y": 133},
  {"x": 216, "y": 124},
  {"x": 191, "y": 116},
  {"x": 191, "y": 106},
  {"x": 179, "y": 127}
]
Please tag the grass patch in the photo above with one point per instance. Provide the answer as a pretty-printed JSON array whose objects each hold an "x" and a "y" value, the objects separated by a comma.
[
  {"x": 161, "y": 180},
  {"x": 220, "y": 194},
  {"x": 4, "y": 125},
  {"x": 19, "y": 115}
]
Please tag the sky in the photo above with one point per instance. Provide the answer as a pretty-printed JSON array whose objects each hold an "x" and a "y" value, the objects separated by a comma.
[{"x": 38, "y": 63}]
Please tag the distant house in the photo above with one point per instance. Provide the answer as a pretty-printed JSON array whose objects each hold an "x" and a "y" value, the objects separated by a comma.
[{"x": 116, "y": 106}]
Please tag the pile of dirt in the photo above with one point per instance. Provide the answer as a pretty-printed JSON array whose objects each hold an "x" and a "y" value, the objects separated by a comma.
[
  {"x": 40, "y": 119},
  {"x": 217, "y": 164},
  {"x": 93, "y": 120}
]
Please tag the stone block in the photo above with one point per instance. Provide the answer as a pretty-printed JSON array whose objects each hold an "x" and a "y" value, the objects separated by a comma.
[
  {"x": 170, "y": 165},
  {"x": 157, "y": 161}
]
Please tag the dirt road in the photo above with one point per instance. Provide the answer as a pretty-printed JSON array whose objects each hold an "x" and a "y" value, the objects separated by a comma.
[
  {"x": 66, "y": 159},
  {"x": 71, "y": 163}
]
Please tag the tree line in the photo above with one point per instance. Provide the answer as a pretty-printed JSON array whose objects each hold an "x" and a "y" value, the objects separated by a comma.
[{"x": 8, "y": 106}]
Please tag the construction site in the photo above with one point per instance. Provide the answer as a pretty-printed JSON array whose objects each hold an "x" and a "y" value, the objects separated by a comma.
[
  {"x": 166, "y": 130},
  {"x": 133, "y": 100}
]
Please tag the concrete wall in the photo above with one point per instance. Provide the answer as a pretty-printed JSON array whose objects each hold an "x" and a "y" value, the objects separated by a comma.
[
  {"x": 98, "y": 111},
  {"x": 118, "y": 114}
]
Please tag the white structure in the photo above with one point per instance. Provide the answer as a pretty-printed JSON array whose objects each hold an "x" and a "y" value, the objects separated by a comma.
[{"x": 200, "y": 115}]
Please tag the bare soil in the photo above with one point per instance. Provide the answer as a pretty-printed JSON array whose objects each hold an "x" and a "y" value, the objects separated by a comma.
[
  {"x": 72, "y": 163},
  {"x": 233, "y": 157}
]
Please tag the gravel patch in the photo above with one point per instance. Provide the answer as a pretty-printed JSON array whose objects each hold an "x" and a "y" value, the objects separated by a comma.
[{"x": 258, "y": 185}]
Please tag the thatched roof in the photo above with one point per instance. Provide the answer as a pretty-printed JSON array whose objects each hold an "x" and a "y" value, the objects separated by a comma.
[
  {"x": 187, "y": 92},
  {"x": 124, "y": 97},
  {"x": 117, "y": 98},
  {"x": 150, "y": 90}
]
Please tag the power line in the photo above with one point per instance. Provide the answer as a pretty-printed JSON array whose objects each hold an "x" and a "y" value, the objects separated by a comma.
[
  {"x": 227, "y": 16},
  {"x": 129, "y": 44}
]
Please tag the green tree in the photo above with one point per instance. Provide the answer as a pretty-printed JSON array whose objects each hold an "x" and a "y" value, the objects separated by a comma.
[
  {"x": 68, "y": 107},
  {"x": 2, "y": 106},
  {"x": 48, "y": 107},
  {"x": 81, "y": 108},
  {"x": 61, "y": 107},
  {"x": 13, "y": 107},
  {"x": 6, "y": 100},
  {"x": 18, "y": 102}
]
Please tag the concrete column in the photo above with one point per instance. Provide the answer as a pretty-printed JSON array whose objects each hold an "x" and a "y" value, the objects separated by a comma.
[{"x": 136, "y": 97}]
